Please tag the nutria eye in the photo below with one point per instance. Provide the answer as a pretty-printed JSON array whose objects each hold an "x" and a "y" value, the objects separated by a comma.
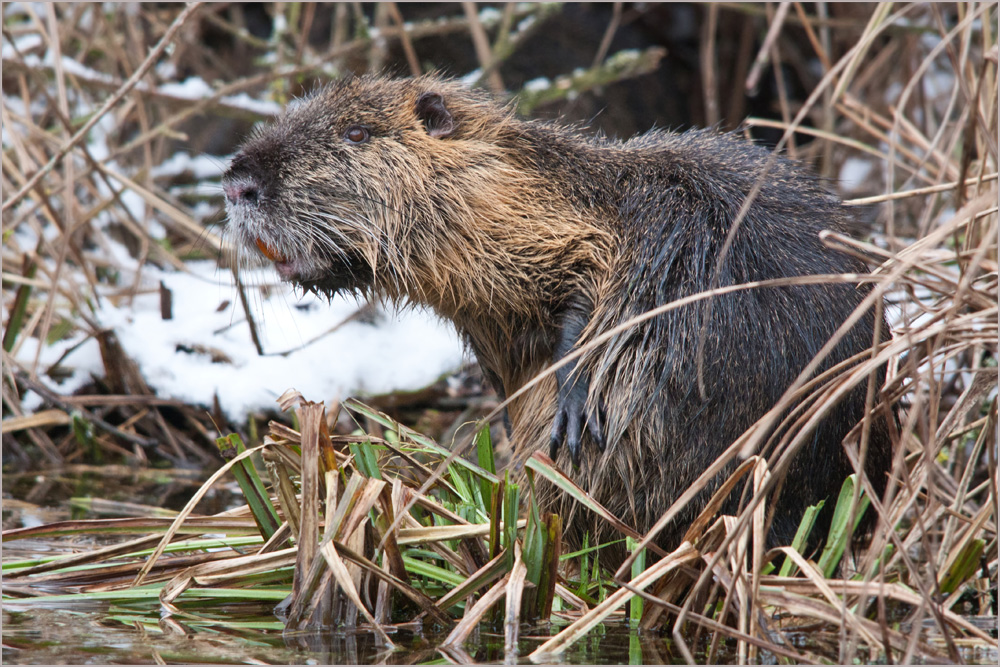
[{"x": 356, "y": 134}]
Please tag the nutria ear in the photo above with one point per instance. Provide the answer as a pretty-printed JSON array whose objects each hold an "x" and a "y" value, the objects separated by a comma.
[{"x": 435, "y": 115}]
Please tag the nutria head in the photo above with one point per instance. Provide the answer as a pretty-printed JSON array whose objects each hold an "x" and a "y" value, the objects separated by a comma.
[
  {"x": 416, "y": 190},
  {"x": 350, "y": 186}
]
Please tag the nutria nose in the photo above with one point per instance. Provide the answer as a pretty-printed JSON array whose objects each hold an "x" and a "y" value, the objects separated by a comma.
[{"x": 239, "y": 191}]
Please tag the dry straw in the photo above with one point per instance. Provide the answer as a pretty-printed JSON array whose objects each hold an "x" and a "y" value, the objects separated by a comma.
[{"x": 360, "y": 528}]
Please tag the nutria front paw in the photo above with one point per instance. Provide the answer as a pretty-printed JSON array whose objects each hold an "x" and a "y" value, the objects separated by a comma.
[{"x": 571, "y": 413}]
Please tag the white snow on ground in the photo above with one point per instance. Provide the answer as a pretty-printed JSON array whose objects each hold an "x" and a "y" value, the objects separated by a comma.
[
  {"x": 535, "y": 85},
  {"x": 854, "y": 173},
  {"x": 526, "y": 23},
  {"x": 21, "y": 44},
  {"x": 489, "y": 15},
  {"x": 191, "y": 88},
  {"x": 175, "y": 356},
  {"x": 85, "y": 361}
]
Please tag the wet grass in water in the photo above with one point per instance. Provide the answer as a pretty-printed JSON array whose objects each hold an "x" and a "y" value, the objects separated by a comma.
[{"x": 404, "y": 531}]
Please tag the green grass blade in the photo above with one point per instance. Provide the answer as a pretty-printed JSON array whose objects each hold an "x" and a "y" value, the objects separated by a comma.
[
  {"x": 461, "y": 484},
  {"x": 549, "y": 575},
  {"x": 638, "y": 567},
  {"x": 487, "y": 461},
  {"x": 801, "y": 535},
  {"x": 964, "y": 566},
  {"x": 250, "y": 483},
  {"x": 16, "y": 320},
  {"x": 840, "y": 533},
  {"x": 425, "y": 569},
  {"x": 510, "y": 508},
  {"x": 496, "y": 512},
  {"x": 534, "y": 539},
  {"x": 365, "y": 458}
]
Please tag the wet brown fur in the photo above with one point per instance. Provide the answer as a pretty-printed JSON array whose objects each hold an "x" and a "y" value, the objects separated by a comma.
[{"x": 503, "y": 223}]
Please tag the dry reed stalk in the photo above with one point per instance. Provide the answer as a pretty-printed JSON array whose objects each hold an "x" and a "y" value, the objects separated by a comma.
[{"x": 933, "y": 159}]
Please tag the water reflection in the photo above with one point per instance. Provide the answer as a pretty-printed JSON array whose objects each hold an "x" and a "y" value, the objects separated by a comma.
[{"x": 119, "y": 636}]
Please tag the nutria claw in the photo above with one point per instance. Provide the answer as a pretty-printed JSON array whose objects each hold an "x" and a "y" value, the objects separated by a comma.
[{"x": 571, "y": 412}]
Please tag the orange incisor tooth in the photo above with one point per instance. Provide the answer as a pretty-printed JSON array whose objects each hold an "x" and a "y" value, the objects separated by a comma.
[{"x": 269, "y": 252}]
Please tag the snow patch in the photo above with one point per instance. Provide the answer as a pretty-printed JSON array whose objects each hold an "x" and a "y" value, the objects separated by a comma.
[
  {"x": 489, "y": 15},
  {"x": 166, "y": 70},
  {"x": 206, "y": 349},
  {"x": 854, "y": 173},
  {"x": 191, "y": 88},
  {"x": 85, "y": 361},
  {"x": 539, "y": 84},
  {"x": 20, "y": 45},
  {"x": 470, "y": 79}
]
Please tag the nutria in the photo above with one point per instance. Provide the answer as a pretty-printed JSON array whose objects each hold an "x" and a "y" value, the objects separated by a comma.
[{"x": 533, "y": 238}]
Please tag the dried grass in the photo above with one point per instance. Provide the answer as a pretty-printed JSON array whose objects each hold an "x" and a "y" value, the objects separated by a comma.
[{"x": 355, "y": 509}]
